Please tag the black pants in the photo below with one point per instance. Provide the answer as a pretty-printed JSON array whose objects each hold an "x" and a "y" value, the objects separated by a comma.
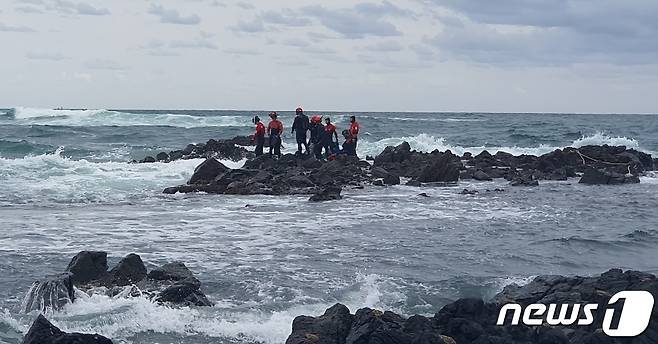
[
  {"x": 275, "y": 145},
  {"x": 355, "y": 140},
  {"x": 328, "y": 147},
  {"x": 301, "y": 141},
  {"x": 317, "y": 150},
  {"x": 260, "y": 142}
]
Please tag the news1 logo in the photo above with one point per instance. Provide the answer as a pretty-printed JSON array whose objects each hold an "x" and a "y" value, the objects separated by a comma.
[{"x": 633, "y": 320}]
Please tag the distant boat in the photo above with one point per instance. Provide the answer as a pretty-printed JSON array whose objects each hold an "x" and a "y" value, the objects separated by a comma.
[{"x": 63, "y": 109}]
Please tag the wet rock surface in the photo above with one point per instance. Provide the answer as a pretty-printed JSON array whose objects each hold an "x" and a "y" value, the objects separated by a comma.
[
  {"x": 43, "y": 332},
  {"x": 227, "y": 149},
  {"x": 171, "y": 283},
  {"x": 473, "y": 321},
  {"x": 300, "y": 174}
]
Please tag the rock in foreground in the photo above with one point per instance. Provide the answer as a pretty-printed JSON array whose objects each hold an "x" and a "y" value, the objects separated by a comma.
[
  {"x": 43, "y": 332},
  {"x": 474, "y": 321},
  {"x": 171, "y": 283}
]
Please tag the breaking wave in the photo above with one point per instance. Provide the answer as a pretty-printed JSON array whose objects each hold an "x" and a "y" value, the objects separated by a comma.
[
  {"x": 55, "y": 178},
  {"x": 91, "y": 118}
]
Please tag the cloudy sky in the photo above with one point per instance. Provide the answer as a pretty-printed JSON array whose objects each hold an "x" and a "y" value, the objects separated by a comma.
[{"x": 369, "y": 55}]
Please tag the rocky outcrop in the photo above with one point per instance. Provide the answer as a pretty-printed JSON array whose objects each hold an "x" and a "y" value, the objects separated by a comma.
[
  {"x": 293, "y": 174},
  {"x": 231, "y": 149},
  {"x": 423, "y": 167},
  {"x": 43, "y": 332},
  {"x": 474, "y": 321},
  {"x": 172, "y": 283},
  {"x": 288, "y": 175}
]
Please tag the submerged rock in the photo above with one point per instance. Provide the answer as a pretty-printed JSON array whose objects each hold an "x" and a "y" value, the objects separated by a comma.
[
  {"x": 327, "y": 194},
  {"x": 602, "y": 177},
  {"x": 43, "y": 332}
]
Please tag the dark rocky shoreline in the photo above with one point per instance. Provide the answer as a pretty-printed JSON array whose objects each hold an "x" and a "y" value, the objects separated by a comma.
[
  {"x": 465, "y": 321},
  {"x": 293, "y": 174}
]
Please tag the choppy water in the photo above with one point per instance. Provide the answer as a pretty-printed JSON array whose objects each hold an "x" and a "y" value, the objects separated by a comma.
[{"x": 66, "y": 186}]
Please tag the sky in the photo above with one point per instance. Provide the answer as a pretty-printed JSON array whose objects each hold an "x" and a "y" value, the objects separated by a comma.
[{"x": 593, "y": 56}]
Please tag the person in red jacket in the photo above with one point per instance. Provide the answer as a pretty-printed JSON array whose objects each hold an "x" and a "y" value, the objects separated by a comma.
[
  {"x": 275, "y": 130},
  {"x": 259, "y": 136},
  {"x": 328, "y": 138},
  {"x": 354, "y": 132}
]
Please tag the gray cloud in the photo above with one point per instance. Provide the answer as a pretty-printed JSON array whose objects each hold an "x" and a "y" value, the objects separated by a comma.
[
  {"x": 172, "y": 16},
  {"x": 81, "y": 8},
  {"x": 45, "y": 56},
  {"x": 253, "y": 26},
  {"x": 28, "y": 9},
  {"x": 352, "y": 23},
  {"x": 9, "y": 28},
  {"x": 551, "y": 32},
  {"x": 286, "y": 17}
]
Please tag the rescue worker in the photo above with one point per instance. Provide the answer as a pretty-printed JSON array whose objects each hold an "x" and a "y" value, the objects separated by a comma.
[
  {"x": 317, "y": 134},
  {"x": 259, "y": 136},
  {"x": 328, "y": 138},
  {"x": 299, "y": 127},
  {"x": 354, "y": 133},
  {"x": 275, "y": 130}
]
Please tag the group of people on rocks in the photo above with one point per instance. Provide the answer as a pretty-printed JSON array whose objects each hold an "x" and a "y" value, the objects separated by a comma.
[{"x": 321, "y": 143}]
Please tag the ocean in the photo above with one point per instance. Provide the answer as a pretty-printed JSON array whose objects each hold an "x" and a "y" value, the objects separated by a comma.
[{"x": 68, "y": 185}]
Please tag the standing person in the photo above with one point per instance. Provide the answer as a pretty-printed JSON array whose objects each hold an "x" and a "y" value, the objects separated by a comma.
[
  {"x": 354, "y": 132},
  {"x": 259, "y": 136},
  {"x": 317, "y": 134},
  {"x": 275, "y": 130},
  {"x": 300, "y": 126},
  {"x": 329, "y": 134}
]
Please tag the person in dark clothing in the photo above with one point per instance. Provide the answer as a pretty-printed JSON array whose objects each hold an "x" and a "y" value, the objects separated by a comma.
[
  {"x": 275, "y": 129},
  {"x": 259, "y": 136},
  {"x": 299, "y": 127},
  {"x": 328, "y": 138},
  {"x": 349, "y": 146},
  {"x": 317, "y": 132}
]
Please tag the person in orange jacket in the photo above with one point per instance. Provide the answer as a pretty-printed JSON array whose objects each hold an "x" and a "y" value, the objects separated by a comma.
[
  {"x": 259, "y": 136},
  {"x": 275, "y": 130},
  {"x": 354, "y": 132}
]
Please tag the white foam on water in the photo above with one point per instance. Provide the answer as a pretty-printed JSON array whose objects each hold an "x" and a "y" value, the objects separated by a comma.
[
  {"x": 101, "y": 117},
  {"x": 53, "y": 177},
  {"x": 428, "y": 143},
  {"x": 122, "y": 318}
]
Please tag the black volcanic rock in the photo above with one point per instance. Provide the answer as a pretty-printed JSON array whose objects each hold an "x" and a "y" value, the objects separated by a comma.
[
  {"x": 128, "y": 271},
  {"x": 327, "y": 194},
  {"x": 50, "y": 293},
  {"x": 207, "y": 171},
  {"x": 43, "y": 332},
  {"x": 474, "y": 321},
  {"x": 88, "y": 266},
  {"x": 602, "y": 177}
]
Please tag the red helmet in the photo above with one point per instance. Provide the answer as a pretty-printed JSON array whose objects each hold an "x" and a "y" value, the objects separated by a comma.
[{"x": 316, "y": 119}]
